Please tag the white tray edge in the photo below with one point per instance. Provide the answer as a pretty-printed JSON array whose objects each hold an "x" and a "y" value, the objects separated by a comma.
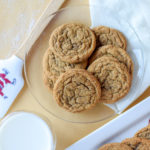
[{"x": 99, "y": 136}]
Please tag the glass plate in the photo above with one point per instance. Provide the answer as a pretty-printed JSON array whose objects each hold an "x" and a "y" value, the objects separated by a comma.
[{"x": 33, "y": 68}]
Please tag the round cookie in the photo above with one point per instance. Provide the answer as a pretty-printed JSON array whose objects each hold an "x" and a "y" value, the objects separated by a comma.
[
  {"x": 120, "y": 54},
  {"x": 137, "y": 144},
  {"x": 109, "y": 36},
  {"x": 72, "y": 42},
  {"x": 77, "y": 90},
  {"x": 53, "y": 67},
  {"x": 144, "y": 133},
  {"x": 113, "y": 76},
  {"x": 115, "y": 146}
]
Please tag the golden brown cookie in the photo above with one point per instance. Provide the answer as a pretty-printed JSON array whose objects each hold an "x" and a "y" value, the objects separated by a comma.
[
  {"x": 53, "y": 67},
  {"x": 49, "y": 81},
  {"x": 120, "y": 54},
  {"x": 72, "y": 42},
  {"x": 113, "y": 76},
  {"x": 109, "y": 36},
  {"x": 115, "y": 146},
  {"x": 137, "y": 143},
  {"x": 77, "y": 90},
  {"x": 144, "y": 133}
]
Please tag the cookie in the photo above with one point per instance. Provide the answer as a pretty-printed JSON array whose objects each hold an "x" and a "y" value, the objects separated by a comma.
[
  {"x": 120, "y": 54},
  {"x": 53, "y": 67},
  {"x": 144, "y": 133},
  {"x": 113, "y": 76},
  {"x": 137, "y": 144},
  {"x": 77, "y": 90},
  {"x": 109, "y": 36},
  {"x": 49, "y": 81},
  {"x": 72, "y": 42},
  {"x": 115, "y": 146}
]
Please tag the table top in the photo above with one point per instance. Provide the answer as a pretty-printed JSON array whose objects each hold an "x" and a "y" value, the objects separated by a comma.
[{"x": 10, "y": 40}]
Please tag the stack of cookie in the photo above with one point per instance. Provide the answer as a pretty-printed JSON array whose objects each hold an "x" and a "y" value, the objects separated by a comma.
[
  {"x": 140, "y": 141},
  {"x": 83, "y": 67}
]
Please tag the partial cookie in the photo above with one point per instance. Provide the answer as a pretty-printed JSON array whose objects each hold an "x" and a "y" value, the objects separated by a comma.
[
  {"x": 49, "y": 81},
  {"x": 77, "y": 90},
  {"x": 115, "y": 146},
  {"x": 144, "y": 133},
  {"x": 137, "y": 144},
  {"x": 53, "y": 67},
  {"x": 120, "y": 54},
  {"x": 72, "y": 42},
  {"x": 113, "y": 76},
  {"x": 109, "y": 36}
]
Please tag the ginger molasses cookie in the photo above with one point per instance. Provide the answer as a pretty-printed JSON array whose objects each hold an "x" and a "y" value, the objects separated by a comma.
[
  {"x": 113, "y": 76},
  {"x": 77, "y": 90},
  {"x": 120, "y": 54},
  {"x": 72, "y": 42},
  {"x": 115, "y": 146},
  {"x": 53, "y": 67},
  {"x": 137, "y": 143},
  {"x": 109, "y": 36},
  {"x": 144, "y": 133}
]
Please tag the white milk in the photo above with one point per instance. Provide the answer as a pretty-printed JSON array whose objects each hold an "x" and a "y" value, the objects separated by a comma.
[{"x": 25, "y": 131}]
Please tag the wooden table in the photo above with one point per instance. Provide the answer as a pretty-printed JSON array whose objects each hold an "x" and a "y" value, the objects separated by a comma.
[{"x": 67, "y": 133}]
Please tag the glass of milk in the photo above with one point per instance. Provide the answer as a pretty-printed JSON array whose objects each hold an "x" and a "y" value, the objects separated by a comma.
[{"x": 26, "y": 131}]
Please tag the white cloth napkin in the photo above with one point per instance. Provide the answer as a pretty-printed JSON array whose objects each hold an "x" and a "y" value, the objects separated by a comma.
[{"x": 133, "y": 19}]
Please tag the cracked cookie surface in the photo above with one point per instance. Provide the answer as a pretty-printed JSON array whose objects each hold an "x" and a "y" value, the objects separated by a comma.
[
  {"x": 116, "y": 52},
  {"x": 73, "y": 42},
  {"x": 109, "y": 36},
  {"x": 144, "y": 133},
  {"x": 77, "y": 90},
  {"x": 137, "y": 144},
  {"x": 49, "y": 81},
  {"x": 113, "y": 76},
  {"x": 115, "y": 146},
  {"x": 53, "y": 67}
]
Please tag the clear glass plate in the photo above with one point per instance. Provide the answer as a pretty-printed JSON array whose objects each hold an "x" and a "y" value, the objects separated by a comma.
[{"x": 33, "y": 67}]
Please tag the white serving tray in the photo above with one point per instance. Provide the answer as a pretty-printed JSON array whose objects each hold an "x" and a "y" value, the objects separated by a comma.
[{"x": 124, "y": 126}]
